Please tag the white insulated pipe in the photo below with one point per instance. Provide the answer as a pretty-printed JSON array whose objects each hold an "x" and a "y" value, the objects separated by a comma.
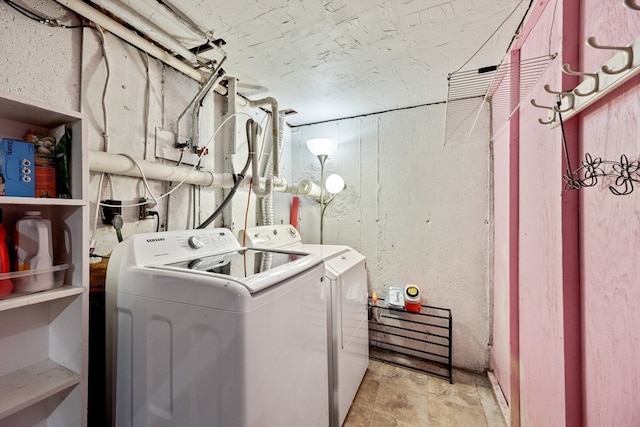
[
  {"x": 127, "y": 35},
  {"x": 252, "y": 138},
  {"x": 304, "y": 188},
  {"x": 308, "y": 188},
  {"x": 186, "y": 22},
  {"x": 100, "y": 161},
  {"x": 119, "y": 164},
  {"x": 156, "y": 33}
]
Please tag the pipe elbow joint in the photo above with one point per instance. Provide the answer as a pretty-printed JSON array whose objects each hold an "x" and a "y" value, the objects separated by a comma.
[{"x": 267, "y": 190}]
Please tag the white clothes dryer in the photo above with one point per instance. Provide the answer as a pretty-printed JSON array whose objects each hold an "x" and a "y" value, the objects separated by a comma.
[
  {"x": 347, "y": 304},
  {"x": 195, "y": 338}
]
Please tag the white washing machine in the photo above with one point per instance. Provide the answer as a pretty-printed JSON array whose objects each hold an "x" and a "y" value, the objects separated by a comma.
[
  {"x": 196, "y": 338},
  {"x": 347, "y": 304}
]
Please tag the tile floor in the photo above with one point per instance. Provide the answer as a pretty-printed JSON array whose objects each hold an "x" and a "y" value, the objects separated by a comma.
[{"x": 394, "y": 396}]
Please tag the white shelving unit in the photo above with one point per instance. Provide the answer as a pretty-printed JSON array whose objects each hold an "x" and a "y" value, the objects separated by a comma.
[{"x": 43, "y": 335}]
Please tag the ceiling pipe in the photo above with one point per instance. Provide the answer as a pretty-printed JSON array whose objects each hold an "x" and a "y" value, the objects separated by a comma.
[
  {"x": 118, "y": 164},
  {"x": 187, "y": 24},
  {"x": 152, "y": 30},
  {"x": 127, "y": 35}
]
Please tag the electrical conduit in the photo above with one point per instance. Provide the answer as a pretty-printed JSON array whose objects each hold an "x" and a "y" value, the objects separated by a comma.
[{"x": 213, "y": 81}]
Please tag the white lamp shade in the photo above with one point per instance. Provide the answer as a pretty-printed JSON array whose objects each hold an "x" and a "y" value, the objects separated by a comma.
[
  {"x": 334, "y": 183},
  {"x": 322, "y": 146}
]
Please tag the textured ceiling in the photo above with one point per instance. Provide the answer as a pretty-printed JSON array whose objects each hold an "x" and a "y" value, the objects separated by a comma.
[{"x": 331, "y": 59}]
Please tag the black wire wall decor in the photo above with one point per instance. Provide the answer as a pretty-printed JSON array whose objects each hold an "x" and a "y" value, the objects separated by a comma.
[{"x": 623, "y": 173}]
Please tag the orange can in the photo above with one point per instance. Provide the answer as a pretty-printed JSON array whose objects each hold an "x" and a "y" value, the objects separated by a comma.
[{"x": 412, "y": 298}]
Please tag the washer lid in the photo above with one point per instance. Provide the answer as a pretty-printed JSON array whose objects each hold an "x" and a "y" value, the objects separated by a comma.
[{"x": 252, "y": 268}]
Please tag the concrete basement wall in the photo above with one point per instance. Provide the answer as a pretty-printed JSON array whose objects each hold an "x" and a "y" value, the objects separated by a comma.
[
  {"x": 169, "y": 93},
  {"x": 65, "y": 67},
  {"x": 38, "y": 61},
  {"x": 417, "y": 209}
]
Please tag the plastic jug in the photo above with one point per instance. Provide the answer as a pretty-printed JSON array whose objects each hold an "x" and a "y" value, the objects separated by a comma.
[{"x": 32, "y": 240}]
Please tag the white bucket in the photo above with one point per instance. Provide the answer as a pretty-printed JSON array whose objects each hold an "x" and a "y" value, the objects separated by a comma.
[{"x": 34, "y": 252}]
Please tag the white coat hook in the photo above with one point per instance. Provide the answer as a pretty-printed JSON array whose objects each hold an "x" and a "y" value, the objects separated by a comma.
[
  {"x": 632, "y": 4},
  {"x": 569, "y": 95},
  {"x": 594, "y": 76},
  {"x": 542, "y": 122},
  {"x": 591, "y": 41}
]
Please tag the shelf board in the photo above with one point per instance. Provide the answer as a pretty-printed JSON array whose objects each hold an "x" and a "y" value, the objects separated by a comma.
[
  {"x": 23, "y": 388},
  {"x": 5, "y": 200},
  {"x": 14, "y": 107},
  {"x": 15, "y": 301}
]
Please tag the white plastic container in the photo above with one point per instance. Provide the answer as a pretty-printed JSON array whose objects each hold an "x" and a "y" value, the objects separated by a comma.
[
  {"x": 34, "y": 252},
  {"x": 26, "y": 279}
]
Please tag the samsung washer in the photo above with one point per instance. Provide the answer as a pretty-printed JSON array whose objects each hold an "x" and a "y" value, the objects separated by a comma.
[
  {"x": 200, "y": 334},
  {"x": 347, "y": 304}
]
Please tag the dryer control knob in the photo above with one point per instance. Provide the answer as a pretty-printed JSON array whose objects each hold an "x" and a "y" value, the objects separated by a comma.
[{"x": 194, "y": 242}]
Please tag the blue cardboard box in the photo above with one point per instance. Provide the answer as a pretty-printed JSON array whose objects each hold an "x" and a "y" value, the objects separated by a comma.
[{"x": 17, "y": 168}]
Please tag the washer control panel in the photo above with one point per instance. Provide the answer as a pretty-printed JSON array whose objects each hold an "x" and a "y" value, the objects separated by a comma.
[
  {"x": 182, "y": 244},
  {"x": 272, "y": 236}
]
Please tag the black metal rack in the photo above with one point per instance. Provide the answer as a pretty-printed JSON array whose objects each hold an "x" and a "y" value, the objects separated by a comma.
[{"x": 421, "y": 341}]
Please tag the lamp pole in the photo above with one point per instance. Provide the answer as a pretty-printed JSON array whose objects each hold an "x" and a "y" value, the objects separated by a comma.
[
  {"x": 322, "y": 148},
  {"x": 322, "y": 158}
]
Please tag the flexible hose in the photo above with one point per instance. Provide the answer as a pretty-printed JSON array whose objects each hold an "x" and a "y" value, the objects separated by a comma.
[{"x": 267, "y": 203}]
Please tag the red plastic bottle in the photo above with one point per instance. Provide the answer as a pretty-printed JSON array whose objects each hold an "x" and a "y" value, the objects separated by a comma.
[{"x": 6, "y": 285}]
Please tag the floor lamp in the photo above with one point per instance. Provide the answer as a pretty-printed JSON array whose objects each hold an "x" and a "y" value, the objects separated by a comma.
[{"x": 322, "y": 148}]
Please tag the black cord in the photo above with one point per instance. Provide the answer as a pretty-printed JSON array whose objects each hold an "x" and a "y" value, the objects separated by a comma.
[
  {"x": 237, "y": 179},
  {"x": 564, "y": 138},
  {"x": 41, "y": 19},
  {"x": 157, "y": 215}
]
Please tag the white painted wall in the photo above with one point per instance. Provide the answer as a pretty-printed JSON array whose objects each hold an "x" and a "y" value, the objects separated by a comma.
[{"x": 418, "y": 210}]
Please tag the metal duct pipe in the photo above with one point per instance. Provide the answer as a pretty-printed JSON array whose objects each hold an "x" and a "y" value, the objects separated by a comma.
[
  {"x": 156, "y": 33},
  {"x": 124, "y": 33},
  {"x": 99, "y": 161}
]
